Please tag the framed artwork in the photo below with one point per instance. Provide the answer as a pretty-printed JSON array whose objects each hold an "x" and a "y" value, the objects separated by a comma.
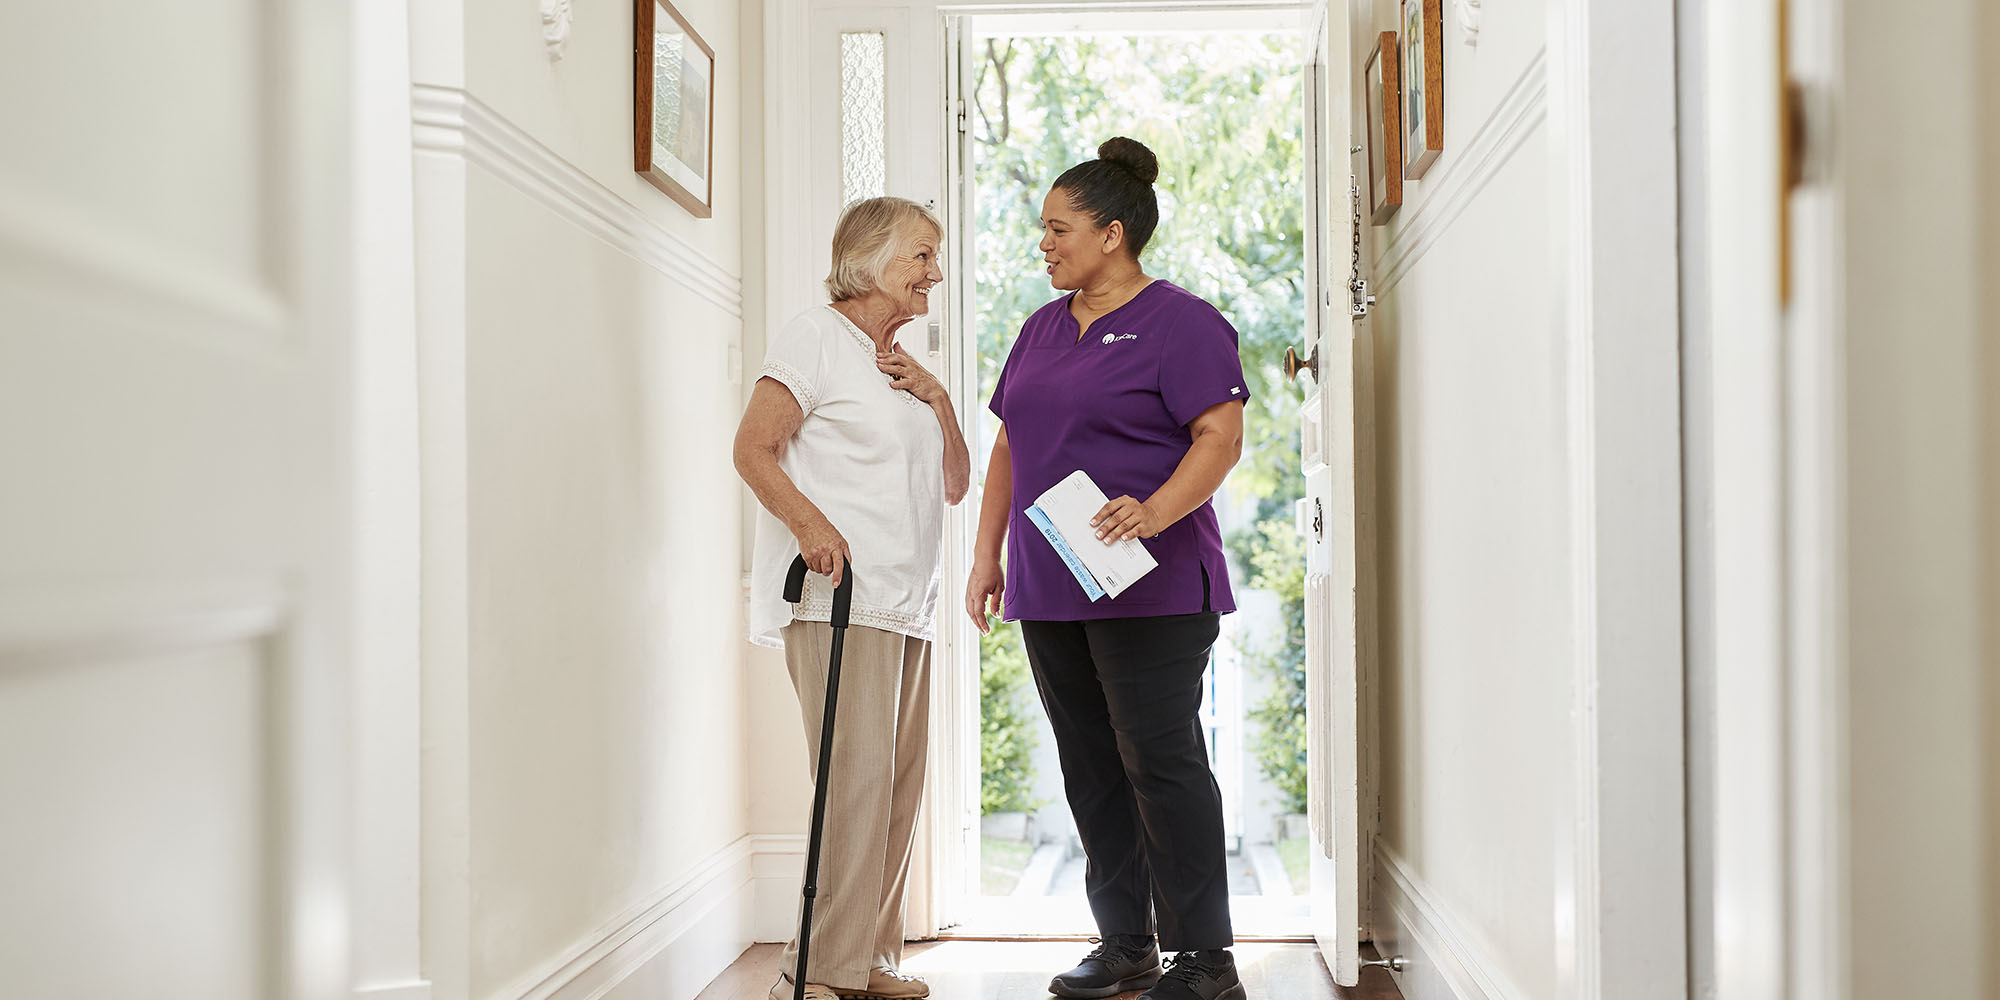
[
  {"x": 673, "y": 106},
  {"x": 1423, "y": 85},
  {"x": 1385, "y": 129}
]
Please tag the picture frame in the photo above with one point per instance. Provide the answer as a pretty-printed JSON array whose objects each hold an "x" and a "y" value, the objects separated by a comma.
[
  {"x": 1423, "y": 85},
  {"x": 673, "y": 106},
  {"x": 1382, "y": 78}
]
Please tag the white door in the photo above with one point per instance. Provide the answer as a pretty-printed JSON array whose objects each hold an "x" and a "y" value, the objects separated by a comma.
[
  {"x": 172, "y": 339},
  {"x": 864, "y": 83},
  {"x": 1329, "y": 515}
]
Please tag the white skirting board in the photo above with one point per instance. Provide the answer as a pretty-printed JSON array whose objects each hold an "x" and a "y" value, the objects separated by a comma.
[
  {"x": 1444, "y": 960},
  {"x": 678, "y": 941},
  {"x": 416, "y": 990},
  {"x": 778, "y": 871}
]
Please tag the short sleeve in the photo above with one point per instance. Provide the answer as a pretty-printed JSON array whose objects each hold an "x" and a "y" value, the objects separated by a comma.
[
  {"x": 795, "y": 360},
  {"x": 1200, "y": 367}
]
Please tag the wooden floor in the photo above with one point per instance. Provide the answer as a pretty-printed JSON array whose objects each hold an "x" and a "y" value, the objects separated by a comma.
[{"x": 1020, "y": 970}]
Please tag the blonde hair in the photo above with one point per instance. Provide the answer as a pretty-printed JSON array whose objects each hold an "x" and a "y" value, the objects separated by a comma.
[{"x": 865, "y": 241}]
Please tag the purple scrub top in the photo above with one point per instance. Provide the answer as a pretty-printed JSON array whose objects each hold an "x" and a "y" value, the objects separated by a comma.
[{"x": 1116, "y": 405}]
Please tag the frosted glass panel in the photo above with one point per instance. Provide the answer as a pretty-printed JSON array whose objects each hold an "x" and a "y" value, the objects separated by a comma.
[{"x": 863, "y": 155}]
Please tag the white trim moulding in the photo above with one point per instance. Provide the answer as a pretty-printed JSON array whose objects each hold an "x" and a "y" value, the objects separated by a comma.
[
  {"x": 700, "y": 924},
  {"x": 1523, "y": 109},
  {"x": 416, "y": 990},
  {"x": 449, "y": 120},
  {"x": 42, "y": 244},
  {"x": 119, "y": 624},
  {"x": 1431, "y": 926}
]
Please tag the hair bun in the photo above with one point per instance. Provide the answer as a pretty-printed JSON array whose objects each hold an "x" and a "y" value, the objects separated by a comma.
[{"x": 1132, "y": 155}]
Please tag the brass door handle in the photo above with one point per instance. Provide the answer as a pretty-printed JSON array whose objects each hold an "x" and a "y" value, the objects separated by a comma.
[{"x": 1295, "y": 364}]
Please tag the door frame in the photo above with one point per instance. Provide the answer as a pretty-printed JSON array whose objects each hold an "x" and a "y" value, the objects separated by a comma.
[
  {"x": 1853, "y": 485},
  {"x": 1620, "y": 860},
  {"x": 948, "y": 833},
  {"x": 957, "y": 781}
]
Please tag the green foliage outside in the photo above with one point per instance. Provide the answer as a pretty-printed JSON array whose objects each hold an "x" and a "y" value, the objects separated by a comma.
[
  {"x": 1222, "y": 113},
  {"x": 1006, "y": 725},
  {"x": 1275, "y": 556},
  {"x": 1001, "y": 862},
  {"x": 1298, "y": 869}
]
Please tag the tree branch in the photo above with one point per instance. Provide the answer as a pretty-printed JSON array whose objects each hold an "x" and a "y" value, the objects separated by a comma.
[{"x": 999, "y": 63}]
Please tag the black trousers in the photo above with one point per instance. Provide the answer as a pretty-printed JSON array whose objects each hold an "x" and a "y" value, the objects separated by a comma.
[{"x": 1124, "y": 696}]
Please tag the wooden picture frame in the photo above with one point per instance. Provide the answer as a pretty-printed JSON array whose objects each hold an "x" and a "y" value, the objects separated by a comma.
[
  {"x": 1382, "y": 79},
  {"x": 673, "y": 106},
  {"x": 1423, "y": 85}
]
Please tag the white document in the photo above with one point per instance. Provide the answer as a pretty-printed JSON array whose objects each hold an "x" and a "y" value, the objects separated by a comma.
[{"x": 1063, "y": 513}]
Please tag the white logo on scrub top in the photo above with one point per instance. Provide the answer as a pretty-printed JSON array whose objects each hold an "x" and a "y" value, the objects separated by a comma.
[{"x": 1109, "y": 337}]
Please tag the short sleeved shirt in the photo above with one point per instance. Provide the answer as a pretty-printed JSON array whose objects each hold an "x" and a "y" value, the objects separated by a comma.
[
  {"x": 871, "y": 458},
  {"x": 1116, "y": 404}
]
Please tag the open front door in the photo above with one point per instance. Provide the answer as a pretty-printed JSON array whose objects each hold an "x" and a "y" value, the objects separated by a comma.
[{"x": 1329, "y": 515}]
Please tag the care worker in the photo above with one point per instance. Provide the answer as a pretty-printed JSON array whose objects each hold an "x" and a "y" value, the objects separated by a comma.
[{"x": 1137, "y": 382}]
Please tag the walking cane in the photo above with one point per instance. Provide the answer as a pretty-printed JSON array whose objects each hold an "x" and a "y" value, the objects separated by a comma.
[{"x": 843, "y": 595}]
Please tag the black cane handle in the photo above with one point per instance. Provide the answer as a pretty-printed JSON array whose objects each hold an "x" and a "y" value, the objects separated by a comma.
[{"x": 843, "y": 595}]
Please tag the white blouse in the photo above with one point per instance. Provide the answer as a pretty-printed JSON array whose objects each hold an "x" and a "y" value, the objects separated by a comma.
[{"x": 871, "y": 458}]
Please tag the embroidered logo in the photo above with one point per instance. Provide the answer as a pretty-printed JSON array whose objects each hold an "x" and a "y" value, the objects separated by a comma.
[
  {"x": 1109, "y": 337},
  {"x": 1236, "y": 390}
]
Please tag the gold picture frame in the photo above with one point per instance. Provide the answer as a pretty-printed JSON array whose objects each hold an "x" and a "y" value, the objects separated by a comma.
[
  {"x": 1423, "y": 85},
  {"x": 673, "y": 106}
]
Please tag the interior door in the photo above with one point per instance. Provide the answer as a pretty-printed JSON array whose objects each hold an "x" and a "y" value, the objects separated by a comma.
[
  {"x": 173, "y": 341},
  {"x": 1328, "y": 513}
]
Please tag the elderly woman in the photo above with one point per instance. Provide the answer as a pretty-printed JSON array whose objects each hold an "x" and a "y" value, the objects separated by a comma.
[
  {"x": 849, "y": 442},
  {"x": 1136, "y": 382}
]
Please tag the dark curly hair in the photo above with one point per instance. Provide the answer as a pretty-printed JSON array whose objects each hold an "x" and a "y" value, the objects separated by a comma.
[{"x": 1118, "y": 185}]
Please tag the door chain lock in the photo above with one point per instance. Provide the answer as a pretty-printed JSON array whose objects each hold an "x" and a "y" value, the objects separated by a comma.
[{"x": 1360, "y": 303}]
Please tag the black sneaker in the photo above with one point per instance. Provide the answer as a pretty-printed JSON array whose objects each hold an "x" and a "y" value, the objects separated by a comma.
[
  {"x": 1198, "y": 975},
  {"x": 1120, "y": 962}
]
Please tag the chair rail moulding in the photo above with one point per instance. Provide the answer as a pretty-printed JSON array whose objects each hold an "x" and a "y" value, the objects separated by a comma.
[
  {"x": 1461, "y": 177},
  {"x": 451, "y": 121}
]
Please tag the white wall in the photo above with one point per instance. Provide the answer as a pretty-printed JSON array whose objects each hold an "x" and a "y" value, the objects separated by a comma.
[
  {"x": 1989, "y": 356},
  {"x": 1912, "y": 507},
  {"x": 587, "y": 806},
  {"x": 1474, "y": 541}
]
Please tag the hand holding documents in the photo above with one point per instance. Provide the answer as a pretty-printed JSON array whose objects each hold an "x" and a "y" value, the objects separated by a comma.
[{"x": 1063, "y": 513}]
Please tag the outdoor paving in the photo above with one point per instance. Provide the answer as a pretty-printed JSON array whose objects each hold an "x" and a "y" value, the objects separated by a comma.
[{"x": 1068, "y": 880}]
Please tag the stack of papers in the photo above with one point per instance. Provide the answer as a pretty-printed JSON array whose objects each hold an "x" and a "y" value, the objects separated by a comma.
[{"x": 1063, "y": 513}]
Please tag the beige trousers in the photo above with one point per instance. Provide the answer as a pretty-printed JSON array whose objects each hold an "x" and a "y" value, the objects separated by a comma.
[{"x": 881, "y": 729}]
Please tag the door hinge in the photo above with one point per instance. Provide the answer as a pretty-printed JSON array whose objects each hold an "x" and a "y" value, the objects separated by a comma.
[{"x": 958, "y": 113}]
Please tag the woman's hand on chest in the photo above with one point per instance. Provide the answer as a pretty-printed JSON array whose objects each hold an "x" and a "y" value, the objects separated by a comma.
[{"x": 909, "y": 376}]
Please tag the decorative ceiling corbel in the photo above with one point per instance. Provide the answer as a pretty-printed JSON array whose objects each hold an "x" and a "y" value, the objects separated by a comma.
[
  {"x": 555, "y": 26},
  {"x": 1468, "y": 19}
]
